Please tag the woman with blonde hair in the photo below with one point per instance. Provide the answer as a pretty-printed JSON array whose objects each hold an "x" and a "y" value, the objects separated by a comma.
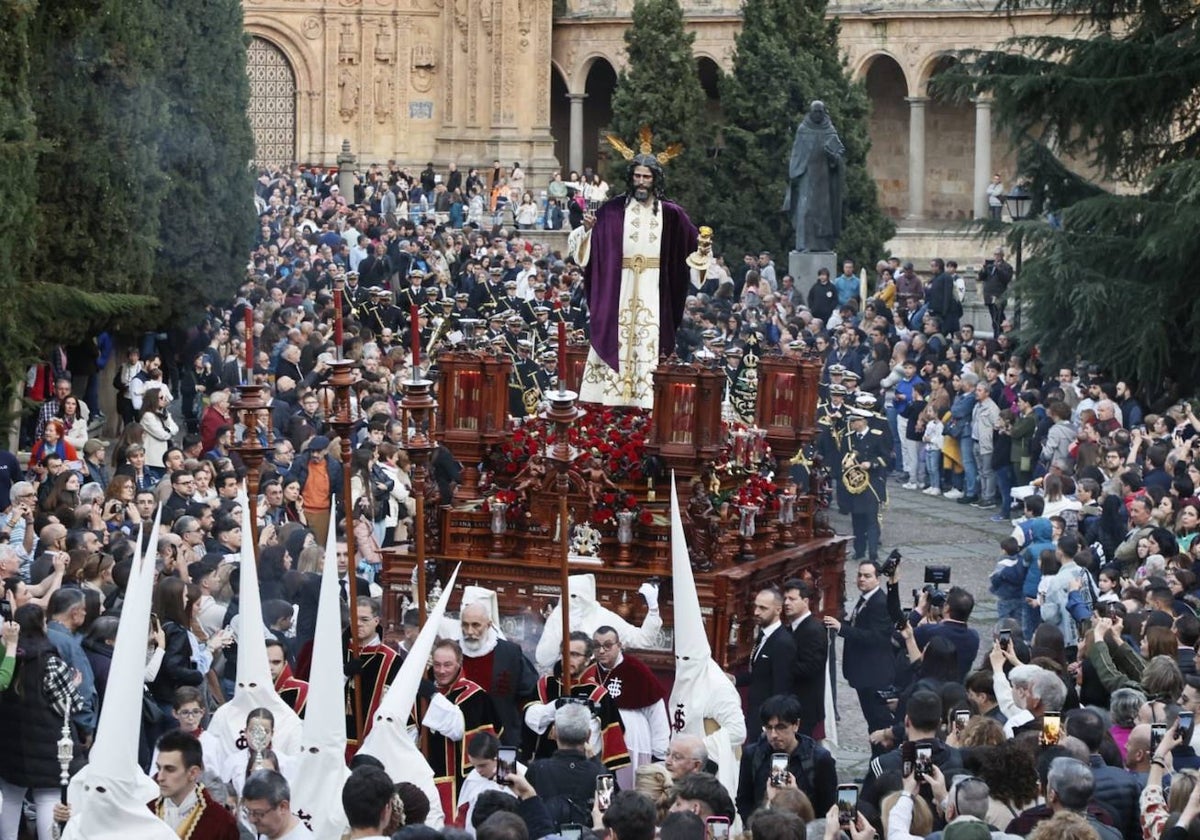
[{"x": 654, "y": 781}]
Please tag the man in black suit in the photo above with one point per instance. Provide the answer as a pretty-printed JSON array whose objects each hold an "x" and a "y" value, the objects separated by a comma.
[
  {"x": 867, "y": 659},
  {"x": 812, "y": 644},
  {"x": 772, "y": 661}
]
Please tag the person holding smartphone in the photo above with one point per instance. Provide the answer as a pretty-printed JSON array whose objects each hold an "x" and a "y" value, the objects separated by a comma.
[
  {"x": 923, "y": 717},
  {"x": 782, "y": 757},
  {"x": 568, "y": 779}
]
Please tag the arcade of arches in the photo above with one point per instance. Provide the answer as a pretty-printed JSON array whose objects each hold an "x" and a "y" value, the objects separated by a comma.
[{"x": 468, "y": 81}]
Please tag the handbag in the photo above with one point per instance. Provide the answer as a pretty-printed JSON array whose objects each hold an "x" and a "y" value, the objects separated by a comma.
[{"x": 152, "y": 714}]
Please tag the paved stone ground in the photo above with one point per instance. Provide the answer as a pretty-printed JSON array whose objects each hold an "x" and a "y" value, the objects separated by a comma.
[{"x": 927, "y": 530}]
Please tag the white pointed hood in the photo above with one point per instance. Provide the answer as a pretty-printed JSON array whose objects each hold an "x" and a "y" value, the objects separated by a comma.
[
  {"x": 255, "y": 688},
  {"x": 586, "y": 616},
  {"x": 109, "y": 795},
  {"x": 389, "y": 740},
  {"x": 321, "y": 766},
  {"x": 701, "y": 689}
]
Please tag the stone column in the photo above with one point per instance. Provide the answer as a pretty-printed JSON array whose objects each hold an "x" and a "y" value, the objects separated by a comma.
[
  {"x": 575, "y": 147},
  {"x": 346, "y": 161},
  {"x": 983, "y": 155},
  {"x": 916, "y": 156}
]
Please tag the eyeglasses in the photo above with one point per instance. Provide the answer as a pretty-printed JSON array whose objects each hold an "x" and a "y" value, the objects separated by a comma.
[
  {"x": 189, "y": 713},
  {"x": 777, "y": 727},
  {"x": 607, "y": 645},
  {"x": 257, "y": 813}
]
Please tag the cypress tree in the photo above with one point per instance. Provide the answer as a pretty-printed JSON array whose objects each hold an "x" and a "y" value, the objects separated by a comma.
[
  {"x": 1109, "y": 272},
  {"x": 786, "y": 56},
  {"x": 18, "y": 187},
  {"x": 99, "y": 111},
  {"x": 661, "y": 89},
  {"x": 206, "y": 218}
]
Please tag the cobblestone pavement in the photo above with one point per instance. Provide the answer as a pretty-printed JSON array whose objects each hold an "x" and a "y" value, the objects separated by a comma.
[{"x": 927, "y": 530}]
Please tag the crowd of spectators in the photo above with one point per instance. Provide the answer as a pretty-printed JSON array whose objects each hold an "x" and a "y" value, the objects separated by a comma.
[{"x": 1074, "y": 718}]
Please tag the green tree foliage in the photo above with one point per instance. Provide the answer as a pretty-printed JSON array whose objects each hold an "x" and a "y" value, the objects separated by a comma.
[
  {"x": 18, "y": 186},
  {"x": 661, "y": 89},
  {"x": 124, "y": 179},
  {"x": 786, "y": 56},
  {"x": 1107, "y": 273},
  {"x": 206, "y": 220},
  {"x": 99, "y": 107}
]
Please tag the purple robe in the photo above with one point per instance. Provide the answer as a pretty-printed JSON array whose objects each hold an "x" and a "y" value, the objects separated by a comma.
[{"x": 602, "y": 276}]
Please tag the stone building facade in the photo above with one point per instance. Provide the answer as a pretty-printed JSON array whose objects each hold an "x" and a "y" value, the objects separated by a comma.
[{"x": 468, "y": 81}]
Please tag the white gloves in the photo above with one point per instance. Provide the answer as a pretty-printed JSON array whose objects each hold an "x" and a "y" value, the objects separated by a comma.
[{"x": 649, "y": 591}]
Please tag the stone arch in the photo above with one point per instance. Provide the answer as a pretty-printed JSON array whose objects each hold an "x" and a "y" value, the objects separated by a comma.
[
  {"x": 887, "y": 88},
  {"x": 950, "y": 148},
  {"x": 298, "y": 56},
  {"x": 933, "y": 64},
  {"x": 560, "y": 114},
  {"x": 272, "y": 105},
  {"x": 578, "y": 80},
  {"x": 709, "y": 71},
  {"x": 863, "y": 66},
  {"x": 600, "y": 82}
]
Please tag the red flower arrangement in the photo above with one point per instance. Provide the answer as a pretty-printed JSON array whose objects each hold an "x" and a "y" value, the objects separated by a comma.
[
  {"x": 758, "y": 492},
  {"x": 611, "y": 502},
  {"x": 617, "y": 436},
  {"x": 517, "y": 511}
]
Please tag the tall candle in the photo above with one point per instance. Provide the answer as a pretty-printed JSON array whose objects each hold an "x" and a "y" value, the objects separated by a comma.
[
  {"x": 249, "y": 345},
  {"x": 562, "y": 356},
  {"x": 337, "y": 318},
  {"x": 416, "y": 341}
]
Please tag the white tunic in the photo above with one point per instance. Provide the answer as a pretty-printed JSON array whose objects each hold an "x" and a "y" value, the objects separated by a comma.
[{"x": 638, "y": 318}]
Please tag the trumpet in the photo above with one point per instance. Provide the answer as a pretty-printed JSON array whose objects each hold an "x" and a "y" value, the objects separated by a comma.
[{"x": 856, "y": 479}]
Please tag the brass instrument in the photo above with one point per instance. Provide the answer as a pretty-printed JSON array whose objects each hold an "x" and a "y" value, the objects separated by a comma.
[{"x": 856, "y": 479}]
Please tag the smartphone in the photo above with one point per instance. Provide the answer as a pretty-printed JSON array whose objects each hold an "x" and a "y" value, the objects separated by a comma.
[
  {"x": 908, "y": 756},
  {"x": 924, "y": 760},
  {"x": 506, "y": 762},
  {"x": 960, "y": 719},
  {"x": 1005, "y": 639},
  {"x": 154, "y": 622},
  {"x": 571, "y": 831},
  {"x": 1186, "y": 719},
  {"x": 847, "y": 802},
  {"x": 1051, "y": 728},
  {"x": 779, "y": 768},
  {"x": 1157, "y": 731},
  {"x": 604, "y": 790},
  {"x": 717, "y": 828}
]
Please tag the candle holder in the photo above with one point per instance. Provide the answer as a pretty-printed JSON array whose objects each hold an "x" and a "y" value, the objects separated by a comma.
[
  {"x": 253, "y": 449},
  {"x": 624, "y": 537},
  {"x": 747, "y": 528},
  {"x": 787, "y": 519},
  {"x": 499, "y": 512},
  {"x": 417, "y": 408},
  {"x": 563, "y": 413}
]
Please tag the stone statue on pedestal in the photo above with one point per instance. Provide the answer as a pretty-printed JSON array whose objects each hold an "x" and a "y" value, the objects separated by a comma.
[{"x": 816, "y": 182}]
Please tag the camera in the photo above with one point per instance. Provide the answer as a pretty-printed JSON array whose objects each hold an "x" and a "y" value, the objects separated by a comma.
[
  {"x": 888, "y": 569},
  {"x": 937, "y": 575}
]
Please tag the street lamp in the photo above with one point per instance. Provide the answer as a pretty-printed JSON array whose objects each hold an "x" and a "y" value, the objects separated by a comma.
[{"x": 1018, "y": 203}]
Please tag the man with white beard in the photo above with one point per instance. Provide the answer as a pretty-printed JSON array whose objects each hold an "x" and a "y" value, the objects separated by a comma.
[{"x": 497, "y": 665}]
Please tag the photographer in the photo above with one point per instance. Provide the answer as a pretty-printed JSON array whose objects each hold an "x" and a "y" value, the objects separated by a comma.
[
  {"x": 957, "y": 605},
  {"x": 921, "y": 723},
  {"x": 566, "y": 781}
]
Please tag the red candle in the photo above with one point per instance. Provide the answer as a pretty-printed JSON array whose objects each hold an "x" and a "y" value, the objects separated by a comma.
[
  {"x": 337, "y": 318},
  {"x": 416, "y": 341},
  {"x": 562, "y": 356},
  {"x": 249, "y": 345}
]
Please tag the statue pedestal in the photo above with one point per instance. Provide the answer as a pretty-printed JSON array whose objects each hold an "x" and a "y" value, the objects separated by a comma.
[{"x": 803, "y": 265}]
